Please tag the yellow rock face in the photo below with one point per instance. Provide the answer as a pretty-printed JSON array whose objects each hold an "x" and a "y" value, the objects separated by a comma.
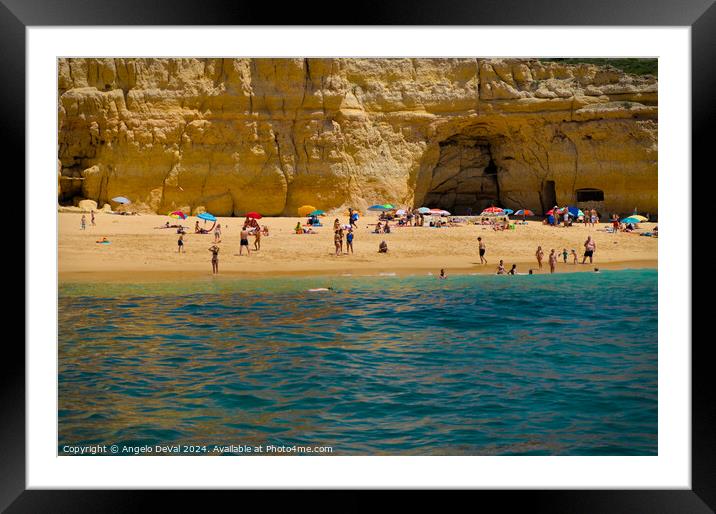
[{"x": 235, "y": 135}]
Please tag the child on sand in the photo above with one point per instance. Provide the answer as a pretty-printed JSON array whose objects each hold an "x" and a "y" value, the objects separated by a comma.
[
  {"x": 214, "y": 259},
  {"x": 539, "y": 255},
  {"x": 217, "y": 233},
  {"x": 349, "y": 240},
  {"x": 482, "y": 247},
  {"x": 92, "y": 217},
  {"x": 552, "y": 260},
  {"x": 574, "y": 256},
  {"x": 383, "y": 247},
  {"x": 180, "y": 243},
  {"x": 83, "y": 222},
  {"x": 564, "y": 255}
]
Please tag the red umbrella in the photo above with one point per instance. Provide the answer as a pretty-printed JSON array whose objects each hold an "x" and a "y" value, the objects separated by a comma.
[
  {"x": 493, "y": 210},
  {"x": 254, "y": 215}
]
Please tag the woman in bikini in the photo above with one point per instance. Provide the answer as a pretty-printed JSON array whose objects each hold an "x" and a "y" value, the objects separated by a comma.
[
  {"x": 539, "y": 255},
  {"x": 214, "y": 259}
]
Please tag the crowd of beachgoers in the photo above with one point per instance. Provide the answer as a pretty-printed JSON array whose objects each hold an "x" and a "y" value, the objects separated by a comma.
[{"x": 390, "y": 218}]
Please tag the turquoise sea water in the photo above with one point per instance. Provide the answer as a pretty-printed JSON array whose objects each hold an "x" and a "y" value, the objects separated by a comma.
[{"x": 472, "y": 365}]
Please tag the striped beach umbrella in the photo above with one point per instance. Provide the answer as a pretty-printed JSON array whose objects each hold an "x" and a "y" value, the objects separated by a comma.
[
  {"x": 493, "y": 210},
  {"x": 177, "y": 215},
  {"x": 524, "y": 212}
]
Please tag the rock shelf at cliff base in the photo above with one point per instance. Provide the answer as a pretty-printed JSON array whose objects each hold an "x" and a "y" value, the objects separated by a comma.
[{"x": 235, "y": 135}]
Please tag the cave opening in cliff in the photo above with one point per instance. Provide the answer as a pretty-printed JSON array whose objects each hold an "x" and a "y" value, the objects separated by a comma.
[
  {"x": 465, "y": 178},
  {"x": 548, "y": 195}
]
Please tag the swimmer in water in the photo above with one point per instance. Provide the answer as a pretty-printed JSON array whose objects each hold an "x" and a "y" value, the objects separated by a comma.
[{"x": 442, "y": 274}]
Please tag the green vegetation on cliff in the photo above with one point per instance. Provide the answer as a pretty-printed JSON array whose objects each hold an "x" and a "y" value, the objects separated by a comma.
[{"x": 634, "y": 66}]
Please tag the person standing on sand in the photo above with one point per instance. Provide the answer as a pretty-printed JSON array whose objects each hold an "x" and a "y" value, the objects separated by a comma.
[
  {"x": 338, "y": 240},
  {"x": 589, "y": 247},
  {"x": 552, "y": 261},
  {"x": 92, "y": 218},
  {"x": 244, "y": 241},
  {"x": 483, "y": 248},
  {"x": 180, "y": 244},
  {"x": 349, "y": 240},
  {"x": 564, "y": 255},
  {"x": 257, "y": 239},
  {"x": 214, "y": 259},
  {"x": 83, "y": 222},
  {"x": 217, "y": 233},
  {"x": 539, "y": 255},
  {"x": 574, "y": 256},
  {"x": 336, "y": 225}
]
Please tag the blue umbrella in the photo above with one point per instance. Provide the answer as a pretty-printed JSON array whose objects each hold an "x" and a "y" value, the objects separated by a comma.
[
  {"x": 575, "y": 211},
  {"x": 206, "y": 216},
  {"x": 121, "y": 199},
  {"x": 631, "y": 220},
  {"x": 317, "y": 212},
  {"x": 378, "y": 208},
  {"x": 424, "y": 210},
  {"x": 508, "y": 211}
]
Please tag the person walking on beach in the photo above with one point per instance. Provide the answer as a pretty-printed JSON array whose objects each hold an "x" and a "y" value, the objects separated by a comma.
[
  {"x": 552, "y": 261},
  {"x": 244, "y": 241},
  {"x": 539, "y": 255},
  {"x": 92, "y": 218},
  {"x": 574, "y": 256},
  {"x": 180, "y": 244},
  {"x": 349, "y": 240},
  {"x": 83, "y": 222},
  {"x": 483, "y": 248},
  {"x": 564, "y": 255},
  {"x": 217, "y": 233},
  {"x": 257, "y": 239},
  {"x": 214, "y": 259},
  {"x": 594, "y": 217},
  {"x": 589, "y": 247}
]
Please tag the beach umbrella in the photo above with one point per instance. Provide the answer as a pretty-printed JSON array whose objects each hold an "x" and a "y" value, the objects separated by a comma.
[
  {"x": 508, "y": 211},
  {"x": 424, "y": 210},
  {"x": 493, "y": 210},
  {"x": 631, "y": 219},
  {"x": 400, "y": 212},
  {"x": 121, "y": 199},
  {"x": 305, "y": 210},
  {"x": 639, "y": 217},
  {"x": 524, "y": 212},
  {"x": 206, "y": 216},
  {"x": 177, "y": 215},
  {"x": 388, "y": 206},
  {"x": 576, "y": 212},
  {"x": 381, "y": 208},
  {"x": 254, "y": 215},
  {"x": 317, "y": 212}
]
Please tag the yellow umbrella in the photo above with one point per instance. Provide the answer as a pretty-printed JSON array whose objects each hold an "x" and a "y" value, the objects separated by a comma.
[
  {"x": 305, "y": 210},
  {"x": 639, "y": 217}
]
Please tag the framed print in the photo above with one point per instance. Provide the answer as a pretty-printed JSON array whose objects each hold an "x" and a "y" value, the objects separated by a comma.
[{"x": 359, "y": 257}]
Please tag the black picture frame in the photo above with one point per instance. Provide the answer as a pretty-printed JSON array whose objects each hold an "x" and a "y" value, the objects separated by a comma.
[{"x": 17, "y": 15}]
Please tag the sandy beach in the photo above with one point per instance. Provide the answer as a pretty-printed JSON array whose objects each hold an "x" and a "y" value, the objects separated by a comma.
[{"x": 139, "y": 251}]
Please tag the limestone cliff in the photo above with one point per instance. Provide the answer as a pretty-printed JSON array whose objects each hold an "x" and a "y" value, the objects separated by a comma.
[{"x": 233, "y": 135}]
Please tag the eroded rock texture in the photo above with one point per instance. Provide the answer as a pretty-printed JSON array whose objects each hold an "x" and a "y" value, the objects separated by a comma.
[{"x": 233, "y": 135}]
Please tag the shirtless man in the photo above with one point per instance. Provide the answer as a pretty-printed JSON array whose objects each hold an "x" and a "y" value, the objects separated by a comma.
[
  {"x": 589, "y": 247},
  {"x": 244, "y": 241},
  {"x": 483, "y": 248}
]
